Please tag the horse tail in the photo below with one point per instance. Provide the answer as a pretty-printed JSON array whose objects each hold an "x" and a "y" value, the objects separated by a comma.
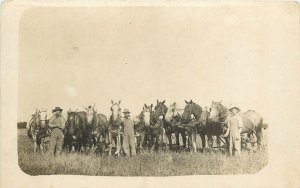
[
  {"x": 260, "y": 123},
  {"x": 259, "y": 134},
  {"x": 29, "y": 129}
]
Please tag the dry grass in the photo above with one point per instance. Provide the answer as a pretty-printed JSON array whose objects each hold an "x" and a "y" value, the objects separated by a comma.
[{"x": 145, "y": 164}]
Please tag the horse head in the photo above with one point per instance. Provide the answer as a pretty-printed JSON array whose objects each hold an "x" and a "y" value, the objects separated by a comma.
[
  {"x": 91, "y": 114},
  {"x": 191, "y": 110},
  {"x": 146, "y": 114},
  {"x": 71, "y": 123},
  {"x": 115, "y": 110},
  {"x": 43, "y": 118},
  {"x": 217, "y": 111},
  {"x": 36, "y": 117},
  {"x": 39, "y": 118},
  {"x": 173, "y": 112},
  {"x": 161, "y": 109}
]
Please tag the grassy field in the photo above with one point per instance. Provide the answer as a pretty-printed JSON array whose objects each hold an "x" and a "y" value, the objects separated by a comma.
[{"x": 145, "y": 164}]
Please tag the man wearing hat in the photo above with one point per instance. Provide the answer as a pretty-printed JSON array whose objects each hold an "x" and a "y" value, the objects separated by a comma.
[
  {"x": 128, "y": 136},
  {"x": 236, "y": 114},
  {"x": 235, "y": 110},
  {"x": 56, "y": 124},
  {"x": 236, "y": 125}
]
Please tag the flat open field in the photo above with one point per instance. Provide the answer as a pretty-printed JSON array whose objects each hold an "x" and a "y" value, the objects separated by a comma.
[{"x": 145, "y": 164}]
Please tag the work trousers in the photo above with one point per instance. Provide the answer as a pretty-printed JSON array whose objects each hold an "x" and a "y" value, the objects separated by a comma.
[
  {"x": 129, "y": 144},
  {"x": 56, "y": 141}
]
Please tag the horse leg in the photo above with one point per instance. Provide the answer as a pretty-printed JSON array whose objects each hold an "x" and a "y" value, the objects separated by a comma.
[
  {"x": 42, "y": 140},
  {"x": 153, "y": 142},
  {"x": 189, "y": 141},
  {"x": 194, "y": 134},
  {"x": 109, "y": 145},
  {"x": 67, "y": 144},
  {"x": 142, "y": 143},
  {"x": 259, "y": 138},
  {"x": 218, "y": 141},
  {"x": 209, "y": 141},
  {"x": 231, "y": 143},
  {"x": 169, "y": 135},
  {"x": 184, "y": 139},
  {"x": 177, "y": 140},
  {"x": 163, "y": 139},
  {"x": 202, "y": 135},
  {"x": 227, "y": 143},
  {"x": 156, "y": 143}
]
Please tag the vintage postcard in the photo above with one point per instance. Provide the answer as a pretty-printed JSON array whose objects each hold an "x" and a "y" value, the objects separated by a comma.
[{"x": 143, "y": 94}]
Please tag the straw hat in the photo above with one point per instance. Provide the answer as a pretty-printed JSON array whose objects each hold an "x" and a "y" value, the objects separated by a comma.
[
  {"x": 57, "y": 109},
  {"x": 126, "y": 111}
]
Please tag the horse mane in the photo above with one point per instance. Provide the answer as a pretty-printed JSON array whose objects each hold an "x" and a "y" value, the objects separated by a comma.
[
  {"x": 154, "y": 117},
  {"x": 140, "y": 116},
  {"x": 199, "y": 108},
  {"x": 224, "y": 110}
]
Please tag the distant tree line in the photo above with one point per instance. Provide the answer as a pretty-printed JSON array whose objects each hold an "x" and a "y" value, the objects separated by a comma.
[{"x": 21, "y": 125}]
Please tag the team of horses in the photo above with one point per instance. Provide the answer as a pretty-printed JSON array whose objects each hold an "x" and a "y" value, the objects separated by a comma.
[{"x": 154, "y": 128}]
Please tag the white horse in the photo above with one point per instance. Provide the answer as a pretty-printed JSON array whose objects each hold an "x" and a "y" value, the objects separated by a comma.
[{"x": 37, "y": 129}]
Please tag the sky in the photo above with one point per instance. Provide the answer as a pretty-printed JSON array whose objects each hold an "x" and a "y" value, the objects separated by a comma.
[{"x": 75, "y": 57}]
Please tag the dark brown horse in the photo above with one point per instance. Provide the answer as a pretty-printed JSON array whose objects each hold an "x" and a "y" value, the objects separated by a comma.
[
  {"x": 158, "y": 127},
  {"x": 191, "y": 115},
  {"x": 160, "y": 111},
  {"x": 71, "y": 131},
  {"x": 76, "y": 131},
  {"x": 38, "y": 130},
  {"x": 252, "y": 121}
]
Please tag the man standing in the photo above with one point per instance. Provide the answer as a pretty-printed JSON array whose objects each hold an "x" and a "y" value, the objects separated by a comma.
[
  {"x": 236, "y": 114},
  {"x": 56, "y": 124},
  {"x": 128, "y": 136},
  {"x": 236, "y": 125}
]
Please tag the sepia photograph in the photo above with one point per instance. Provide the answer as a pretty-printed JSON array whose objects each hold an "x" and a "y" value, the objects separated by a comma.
[{"x": 161, "y": 90}]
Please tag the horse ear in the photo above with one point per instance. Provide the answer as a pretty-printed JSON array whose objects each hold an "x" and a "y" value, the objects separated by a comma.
[
  {"x": 174, "y": 103},
  {"x": 112, "y": 102},
  {"x": 191, "y": 101},
  {"x": 164, "y": 101},
  {"x": 145, "y": 105},
  {"x": 119, "y": 102},
  {"x": 157, "y": 101},
  {"x": 186, "y": 102},
  {"x": 151, "y": 106}
]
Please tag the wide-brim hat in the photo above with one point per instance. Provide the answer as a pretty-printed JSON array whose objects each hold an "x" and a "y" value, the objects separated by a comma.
[
  {"x": 57, "y": 109},
  {"x": 235, "y": 107},
  {"x": 126, "y": 111}
]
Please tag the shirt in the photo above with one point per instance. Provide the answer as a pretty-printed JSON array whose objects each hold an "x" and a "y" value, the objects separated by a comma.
[
  {"x": 55, "y": 121},
  {"x": 128, "y": 125},
  {"x": 238, "y": 117}
]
